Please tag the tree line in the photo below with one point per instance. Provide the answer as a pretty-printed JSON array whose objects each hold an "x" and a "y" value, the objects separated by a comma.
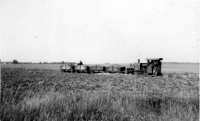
[{"x": 17, "y": 62}]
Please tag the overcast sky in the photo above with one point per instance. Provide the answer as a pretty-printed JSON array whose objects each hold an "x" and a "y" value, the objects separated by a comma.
[{"x": 100, "y": 31}]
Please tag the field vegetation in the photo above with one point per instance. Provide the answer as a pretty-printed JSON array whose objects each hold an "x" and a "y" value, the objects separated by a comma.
[{"x": 43, "y": 94}]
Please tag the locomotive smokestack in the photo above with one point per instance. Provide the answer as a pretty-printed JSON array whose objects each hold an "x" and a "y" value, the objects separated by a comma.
[{"x": 138, "y": 60}]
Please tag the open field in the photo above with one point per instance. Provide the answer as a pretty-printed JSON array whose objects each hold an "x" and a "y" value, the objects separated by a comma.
[
  {"x": 166, "y": 68},
  {"x": 180, "y": 68},
  {"x": 36, "y": 94}
]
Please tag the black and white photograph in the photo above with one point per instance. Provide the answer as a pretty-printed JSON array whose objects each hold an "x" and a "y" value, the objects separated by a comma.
[{"x": 99, "y": 60}]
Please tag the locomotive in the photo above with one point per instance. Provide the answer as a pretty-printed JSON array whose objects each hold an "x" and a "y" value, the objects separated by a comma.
[{"x": 152, "y": 67}]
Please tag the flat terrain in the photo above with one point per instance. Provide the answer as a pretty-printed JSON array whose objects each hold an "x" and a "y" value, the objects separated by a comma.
[
  {"x": 180, "y": 68},
  {"x": 42, "y": 94},
  {"x": 166, "y": 68}
]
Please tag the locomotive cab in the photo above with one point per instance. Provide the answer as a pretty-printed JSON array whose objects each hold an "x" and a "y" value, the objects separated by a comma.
[{"x": 154, "y": 66}]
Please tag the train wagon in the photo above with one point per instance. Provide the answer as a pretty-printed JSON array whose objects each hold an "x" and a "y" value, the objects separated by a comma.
[
  {"x": 96, "y": 69},
  {"x": 81, "y": 69},
  {"x": 105, "y": 69},
  {"x": 112, "y": 69},
  {"x": 121, "y": 70},
  {"x": 130, "y": 70},
  {"x": 66, "y": 68}
]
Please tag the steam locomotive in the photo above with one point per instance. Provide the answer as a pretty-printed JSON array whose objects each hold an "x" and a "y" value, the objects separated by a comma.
[{"x": 152, "y": 67}]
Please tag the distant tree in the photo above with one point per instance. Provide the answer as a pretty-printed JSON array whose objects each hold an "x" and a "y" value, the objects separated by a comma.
[
  {"x": 15, "y": 62},
  {"x": 63, "y": 62}
]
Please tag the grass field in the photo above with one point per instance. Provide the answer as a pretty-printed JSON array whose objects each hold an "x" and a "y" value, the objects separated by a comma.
[
  {"x": 166, "y": 68},
  {"x": 43, "y": 94}
]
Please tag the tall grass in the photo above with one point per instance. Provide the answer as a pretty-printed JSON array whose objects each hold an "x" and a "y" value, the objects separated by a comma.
[{"x": 51, "y": 95}]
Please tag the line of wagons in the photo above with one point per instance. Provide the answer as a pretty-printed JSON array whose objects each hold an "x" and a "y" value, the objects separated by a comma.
[{"x": 152, "y": 67}]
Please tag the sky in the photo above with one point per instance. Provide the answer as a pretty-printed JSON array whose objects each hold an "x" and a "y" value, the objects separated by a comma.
[{"x": 95, "y": 31}]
